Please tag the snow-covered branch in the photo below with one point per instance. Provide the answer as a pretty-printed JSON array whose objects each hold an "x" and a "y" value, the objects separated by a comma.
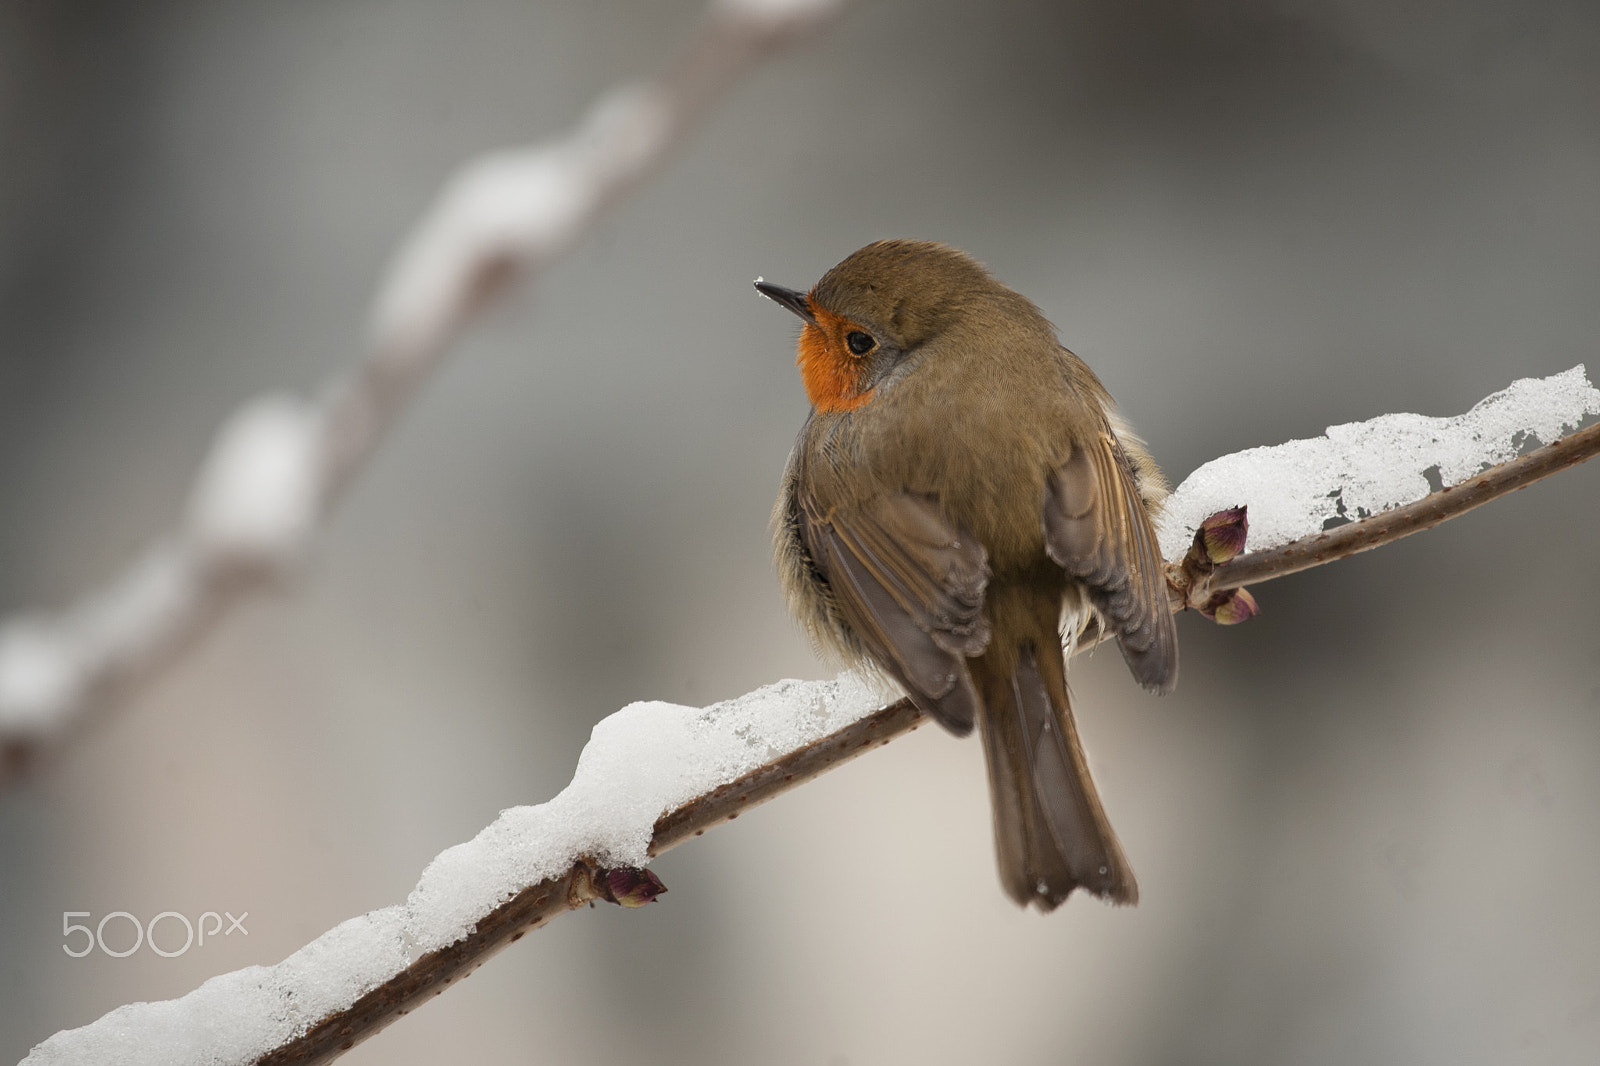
[
  {"x": 281, "y": 462},
  {"x": 1364, "y": 484},
  {"x": 1297, "y": 489},
  {"x": 655, "y": 774}
]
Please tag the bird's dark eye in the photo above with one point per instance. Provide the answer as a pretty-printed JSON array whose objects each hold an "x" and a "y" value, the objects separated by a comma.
[{"x": 860, "y": 343}]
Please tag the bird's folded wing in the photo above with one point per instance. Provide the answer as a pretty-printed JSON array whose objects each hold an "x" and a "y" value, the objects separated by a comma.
[
  {"x": 910, "y": 585},
  {"x": 1096, "y": 528}
]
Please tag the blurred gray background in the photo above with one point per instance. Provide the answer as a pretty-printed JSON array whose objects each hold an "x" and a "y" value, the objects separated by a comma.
[{"x": 1367, "y": 826}]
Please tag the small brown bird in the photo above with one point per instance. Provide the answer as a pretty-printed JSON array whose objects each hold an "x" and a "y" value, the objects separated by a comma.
[{"x": 962, "y": 498}]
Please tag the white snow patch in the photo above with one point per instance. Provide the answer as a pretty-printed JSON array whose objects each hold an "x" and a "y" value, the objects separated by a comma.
[
  {"x": 514, "y": 207},
  {"x": 1362, "y": 468},
  {"x": 779, "y": 14},
  {"x": 639, "y": 763},
  {"x": 237, "y": 1017},
  {"x": 256, "y": 497},
  {"x": 47, "y": 663},
  {"x": 41, "y": 674}
]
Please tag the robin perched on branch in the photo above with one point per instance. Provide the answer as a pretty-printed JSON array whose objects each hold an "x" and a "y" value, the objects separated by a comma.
[{"x": 962, "y": 499}]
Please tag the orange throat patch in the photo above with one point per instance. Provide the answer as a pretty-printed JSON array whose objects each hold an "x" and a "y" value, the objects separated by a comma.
[{"x": 831, "y": 376}]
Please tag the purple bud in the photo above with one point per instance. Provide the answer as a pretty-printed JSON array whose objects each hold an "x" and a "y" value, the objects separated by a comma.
[
  {"x": 631, "y": 886},
  {"x": 1222, "y": 536},
  {"x": 1231, "y": 607}
]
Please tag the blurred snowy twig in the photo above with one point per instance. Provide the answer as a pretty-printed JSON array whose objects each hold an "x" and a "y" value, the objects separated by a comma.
[{"x": 280, "y": 463}]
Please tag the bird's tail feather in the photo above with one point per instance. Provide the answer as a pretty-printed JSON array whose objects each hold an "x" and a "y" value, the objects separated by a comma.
[{"x": 1051, "y": 834}]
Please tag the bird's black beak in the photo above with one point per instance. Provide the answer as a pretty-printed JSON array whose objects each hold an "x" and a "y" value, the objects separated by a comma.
[{"x": 794, "y": 301}]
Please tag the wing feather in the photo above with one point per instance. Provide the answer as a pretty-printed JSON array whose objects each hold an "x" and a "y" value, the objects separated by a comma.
[
  {"x": 1097, "y": 529},
  {"x": 911, "y": 587}
]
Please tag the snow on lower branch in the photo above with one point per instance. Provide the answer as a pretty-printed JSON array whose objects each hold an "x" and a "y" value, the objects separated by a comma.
[
  {"x": 1362, "y": 468},
  {"x": 640, "y": 763}
]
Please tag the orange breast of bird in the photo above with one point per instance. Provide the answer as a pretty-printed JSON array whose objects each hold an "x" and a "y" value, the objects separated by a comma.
[{"x": 831, "y": 375}]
